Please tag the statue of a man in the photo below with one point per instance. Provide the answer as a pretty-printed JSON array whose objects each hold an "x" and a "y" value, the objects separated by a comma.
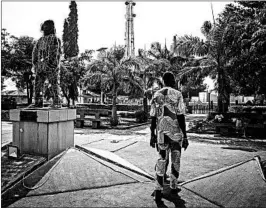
[{"x": 46, "y": 60}]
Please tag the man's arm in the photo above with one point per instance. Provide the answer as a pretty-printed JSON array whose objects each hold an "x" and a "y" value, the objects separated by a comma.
[
  {"x": 182, "y": 122},
  {"x": 153, "y": 139}
]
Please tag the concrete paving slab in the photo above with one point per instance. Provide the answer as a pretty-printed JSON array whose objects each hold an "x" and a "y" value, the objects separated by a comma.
[
  {"x": 198, "y": 159},
  {"x": 76, "y": 171},
  {"x": 141, "y": 155},
  {"x": 71, "y": 171},
  {"x": 202, "y": 158},
  {"x": 113, "y": 158},
  {"x": 240, "y": 185},
  {"x": 122, "y": 170},
  {"x": 127, "y": 195}
]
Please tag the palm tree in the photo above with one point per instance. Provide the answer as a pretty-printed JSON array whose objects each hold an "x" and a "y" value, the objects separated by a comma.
[
  {"x": 213, "y": 58},
  {"x": 71, "y": 72},
  {"x": 154, "y": 63},
  {"x": 150, "y": 72},
  {"x": 114, "y": 73}
]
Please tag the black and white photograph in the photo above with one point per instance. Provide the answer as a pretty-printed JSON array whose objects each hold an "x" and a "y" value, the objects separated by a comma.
[{"x": 131, "y": 103}]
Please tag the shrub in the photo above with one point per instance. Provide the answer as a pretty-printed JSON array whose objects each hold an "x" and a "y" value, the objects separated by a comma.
[
  {"x": 113, "y": 122},
  {"x": 140, "y": 116}
]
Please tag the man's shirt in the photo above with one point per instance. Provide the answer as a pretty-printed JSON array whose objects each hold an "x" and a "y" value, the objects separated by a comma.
[{"x": 165, "y": 106}]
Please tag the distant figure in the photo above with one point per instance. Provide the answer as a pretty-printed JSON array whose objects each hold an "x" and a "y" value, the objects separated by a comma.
[
  {"x": 46, "y": 59},
  {"x": 168, "y": 133}
]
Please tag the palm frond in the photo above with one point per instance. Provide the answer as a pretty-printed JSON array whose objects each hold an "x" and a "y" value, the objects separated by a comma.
[
  {"x": 190, "y": 45},
  {"x": 131, "y": 62},
  {"x": 99, "y": 66},
  {"x": 91, "y": 79}
]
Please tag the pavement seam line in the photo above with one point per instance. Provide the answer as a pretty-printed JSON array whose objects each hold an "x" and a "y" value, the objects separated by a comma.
[
  {"x": 81, "y": 189},
  {"x": 111, "y": 161},
  {"x": 217, "y": 171},
  {"x": 109, "y": 166},
  {"x": 215, "y": 203},
  {"x": 93, "y": 142},
  {"x": 124, "y": 147}
]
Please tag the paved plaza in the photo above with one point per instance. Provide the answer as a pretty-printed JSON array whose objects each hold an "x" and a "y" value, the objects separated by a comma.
[{"x": 82, "y": 180}]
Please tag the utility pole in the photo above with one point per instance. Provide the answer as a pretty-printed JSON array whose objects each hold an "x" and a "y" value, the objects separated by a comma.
[{"x": 129, "y": 33}]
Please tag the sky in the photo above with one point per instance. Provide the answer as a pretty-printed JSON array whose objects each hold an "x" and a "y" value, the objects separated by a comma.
[{"x": 102, "y": 23}]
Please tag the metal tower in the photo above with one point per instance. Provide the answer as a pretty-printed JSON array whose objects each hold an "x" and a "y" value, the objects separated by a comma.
[{"x": 129, "y": 34}]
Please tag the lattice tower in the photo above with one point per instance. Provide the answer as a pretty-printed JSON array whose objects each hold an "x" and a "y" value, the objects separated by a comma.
[{"x": 129, "y": 33}]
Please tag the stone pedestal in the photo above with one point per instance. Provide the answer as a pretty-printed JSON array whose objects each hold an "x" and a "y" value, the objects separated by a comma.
[{"x": 43, "y": 132}]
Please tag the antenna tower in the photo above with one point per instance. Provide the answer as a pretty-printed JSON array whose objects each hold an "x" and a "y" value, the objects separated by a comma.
[{"x": 129, "y": 34}]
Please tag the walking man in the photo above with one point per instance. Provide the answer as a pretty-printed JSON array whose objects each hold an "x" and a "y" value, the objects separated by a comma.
[{"x": 168, "y": 133}]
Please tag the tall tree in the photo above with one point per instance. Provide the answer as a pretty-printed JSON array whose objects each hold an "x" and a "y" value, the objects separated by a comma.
[
  {"x": 70, "y": 36},
  {"x": 5, "y": 56},
  {"x": 66, "y": 38},
  {"x": 246, "y": 46},
  {"x": 234, "y": 51},
  {"x": 71, "y": 70},
  {"x": 114, "y": 74},
  {"x": 154, "y": 63},
  {"x": 151, "y": 71},
  {"x": 214, "y": 60},
  {"x": 16, "y": 63}
]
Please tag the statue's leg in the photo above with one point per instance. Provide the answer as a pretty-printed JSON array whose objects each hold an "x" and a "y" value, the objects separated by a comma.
[
  {"x": 55, "y": 89},
  {"x": 39, "y": 83}
]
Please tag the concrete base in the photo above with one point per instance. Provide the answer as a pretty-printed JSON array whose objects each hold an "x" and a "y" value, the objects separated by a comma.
[{"x": 44, "y": 132}]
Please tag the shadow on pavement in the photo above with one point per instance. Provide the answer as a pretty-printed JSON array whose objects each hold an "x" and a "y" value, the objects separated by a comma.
[
  {"x": 247, "y": 149},
  {"x": 19, "y": 190},
  {"x": 173, "y": 198}
]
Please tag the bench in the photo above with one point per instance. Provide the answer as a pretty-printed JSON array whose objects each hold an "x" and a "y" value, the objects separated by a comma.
[{"x": 96, "y": 121}]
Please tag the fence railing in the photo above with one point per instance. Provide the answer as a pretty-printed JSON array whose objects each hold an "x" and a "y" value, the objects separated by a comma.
[{"x": 201, "y": 109}]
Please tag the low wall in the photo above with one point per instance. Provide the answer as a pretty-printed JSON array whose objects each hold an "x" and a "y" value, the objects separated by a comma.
[{"x": 120, "y": 107}]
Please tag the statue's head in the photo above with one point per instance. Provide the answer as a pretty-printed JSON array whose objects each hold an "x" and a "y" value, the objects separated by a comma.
[{"x": 48, "y": 27}]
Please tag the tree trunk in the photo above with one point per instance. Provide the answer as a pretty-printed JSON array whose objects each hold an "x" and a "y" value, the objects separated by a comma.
[
  {"x": 67, "y": 98},
  {"x": 114, "y": 120},
  {"x": 102, "y": 98},
  {"x": 31, "y": 86},
  {"x": 145, "y": 107},
  {"x": 145, "y": 101},
  {"x": 28, "y": 94},
  {"x": 223, "y": 96}
]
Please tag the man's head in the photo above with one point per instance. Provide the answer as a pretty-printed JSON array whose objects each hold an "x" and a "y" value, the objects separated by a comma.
[
  {"x": 48, "y": 27},
  {"x": 169, "y": 79}
]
